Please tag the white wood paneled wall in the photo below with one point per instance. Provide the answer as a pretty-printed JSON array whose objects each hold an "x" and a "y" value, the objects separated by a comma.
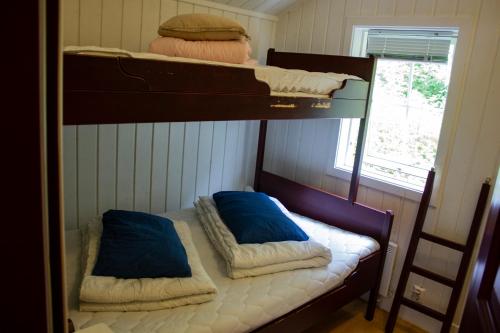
[
  {"x": 151, "y": 167},
  {"x": 301, "y": 149},
  {"x": 265, "y": 6},
  {"x": 133, "y": 24}
]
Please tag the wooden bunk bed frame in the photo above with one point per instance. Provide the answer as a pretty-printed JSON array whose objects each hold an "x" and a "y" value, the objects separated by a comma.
[{"x": 103, "y": 90}]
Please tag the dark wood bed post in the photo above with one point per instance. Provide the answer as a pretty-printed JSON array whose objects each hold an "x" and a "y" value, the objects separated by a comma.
[
  {"x": 259, "y": 164},
  {"x": 358, "y": 157},
  {"x": 360, "y": 145},
  {"x": 384, "y": 243},
  {"x": 260, "y": 154}
]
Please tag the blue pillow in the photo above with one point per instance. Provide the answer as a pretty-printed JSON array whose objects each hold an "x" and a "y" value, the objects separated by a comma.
[
  {"x": 253, "y": 218},
  {"x": 137, "y": 245}
]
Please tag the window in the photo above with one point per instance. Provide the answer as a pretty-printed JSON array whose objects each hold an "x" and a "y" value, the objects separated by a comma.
[{"x": 407, "y": 106}]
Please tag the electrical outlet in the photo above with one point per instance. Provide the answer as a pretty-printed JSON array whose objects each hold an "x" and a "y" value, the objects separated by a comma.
[{"x": 417, "y": 292}]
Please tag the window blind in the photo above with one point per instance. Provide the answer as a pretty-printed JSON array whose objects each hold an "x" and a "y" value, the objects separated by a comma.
[{"x": 433, "y": 46}]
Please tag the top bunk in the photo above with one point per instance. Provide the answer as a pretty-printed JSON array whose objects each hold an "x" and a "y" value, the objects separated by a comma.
[{"x": 112, "y": 86}]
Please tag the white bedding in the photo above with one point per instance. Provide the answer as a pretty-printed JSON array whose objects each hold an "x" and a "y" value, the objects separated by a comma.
[
  {"x": 282, "y": 82},
  {"x": 107, "y": 293},
  {"x": 244, "y": 260},
  {"x": 240, "y": 305}
]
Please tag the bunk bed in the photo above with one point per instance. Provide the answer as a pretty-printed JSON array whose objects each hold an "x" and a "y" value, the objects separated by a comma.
[{"x": 100, "y": 90}]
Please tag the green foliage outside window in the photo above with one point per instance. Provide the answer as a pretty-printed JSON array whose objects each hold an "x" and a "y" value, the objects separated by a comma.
[{"x": 426, "y": 82}]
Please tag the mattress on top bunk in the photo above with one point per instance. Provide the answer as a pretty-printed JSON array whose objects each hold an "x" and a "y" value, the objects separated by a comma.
[
  {"x": 281, "y": 81},
  {"x": 241, "y": 305}
]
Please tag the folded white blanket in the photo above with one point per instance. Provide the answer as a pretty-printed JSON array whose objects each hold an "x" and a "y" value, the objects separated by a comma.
[
  {"x": 244, "y": 260},
  {"x": 104, "y": 293}
]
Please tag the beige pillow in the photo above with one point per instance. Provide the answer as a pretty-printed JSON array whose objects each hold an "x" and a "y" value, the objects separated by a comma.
[{"x": 202, "y": 27}]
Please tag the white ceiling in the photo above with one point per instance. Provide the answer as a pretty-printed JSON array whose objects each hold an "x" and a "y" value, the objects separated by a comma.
[{"x": 265, "y": 6}]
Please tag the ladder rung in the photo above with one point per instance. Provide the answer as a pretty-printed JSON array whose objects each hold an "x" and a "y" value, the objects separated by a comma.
[
  {"x": 433, "y": 276},
  {"x": 442, "y": 241},
  {"x": 422, "y": 308}
]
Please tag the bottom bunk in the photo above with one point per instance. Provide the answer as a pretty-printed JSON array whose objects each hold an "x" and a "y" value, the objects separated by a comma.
[{"x": 288, "y": 301}]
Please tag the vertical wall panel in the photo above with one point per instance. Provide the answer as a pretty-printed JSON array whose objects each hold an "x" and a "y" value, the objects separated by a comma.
[
  {"x": 70, "y": 155},
  {"x": 281, "y": 31},
  {"x": 142, "y": 177},
  {"x": 111, "y": 23},
  {"x": 278, "y": 157},
  {"x": 217, "y": 162},
  {"x": 175, "y": 158},
  {"x": 251, "y": 141},
  {"x": 90, "y": 22},
  {"x": 125, "y": 167},
  {"x": 200, "y": 9},
  {"x": 270, "y": 146},
  {"x": 106, "y": 171},
  {"x": 424, "y": 7},
  {"x": 254, "y": 30},
  {"x": 445, "y": 7},
  {"x": 87, "y": 181},
  {"x": 230, "y": 15},
  {"x": 71, "y": 22},
  {"x": 321, "y": 147},
  {"x": 204, "y": 158},
  {"x": 215, "y": 11},
  {"x": 243, "y": 20},
  {"x": 293, "y": 29},
  {"x": 240, "y": 166},
  {"x": 231, "y": 146},
  {"x": 265, "y": 41},
  {"x": 320, "y": 25},
  {"x": 306, "y": 26},
  {"x": 369, "y": 7},
  {"x": 291, "y": 150},
  {"x": 159, "y": 167},
  {"x": 150, "y": 21},
  {"x": 168, "y": 9},
  {"x": 335, "y": 31},
  {"x": 190, "y": 159},
  {"x": 184, "y": 8},
  {"x": 131, "y": 26},
  {"x": 386, "y": 7},
  {"x": 305, "y": 149},
  {"x": 468, "y": 7},
  {"x": 405, "y": 7},
  {"x": 353, "y": 7}
]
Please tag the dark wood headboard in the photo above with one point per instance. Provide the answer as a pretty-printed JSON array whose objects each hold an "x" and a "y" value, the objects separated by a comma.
[{"x": 327, "y": 207}]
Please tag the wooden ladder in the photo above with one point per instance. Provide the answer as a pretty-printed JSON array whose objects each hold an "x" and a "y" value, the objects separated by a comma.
[{"x": 408, "y": 267}]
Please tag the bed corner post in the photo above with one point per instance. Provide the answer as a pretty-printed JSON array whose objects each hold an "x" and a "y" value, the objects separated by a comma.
[
  {"x": 270, "y": 54},
  {"x": 259, "y": 164},
  {"x": 385, "y": 235},
  {"x": 360, "y": 145},
  {"x": 358, "y": 157}
]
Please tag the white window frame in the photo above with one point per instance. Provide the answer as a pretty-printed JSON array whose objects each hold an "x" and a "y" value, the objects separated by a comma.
[{"x": 452, "y": 109}]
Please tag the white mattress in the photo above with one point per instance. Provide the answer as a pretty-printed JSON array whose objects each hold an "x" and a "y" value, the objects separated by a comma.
[
  {"x": 242, "y": 304},
  {"x": 282, "y": 82}
]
